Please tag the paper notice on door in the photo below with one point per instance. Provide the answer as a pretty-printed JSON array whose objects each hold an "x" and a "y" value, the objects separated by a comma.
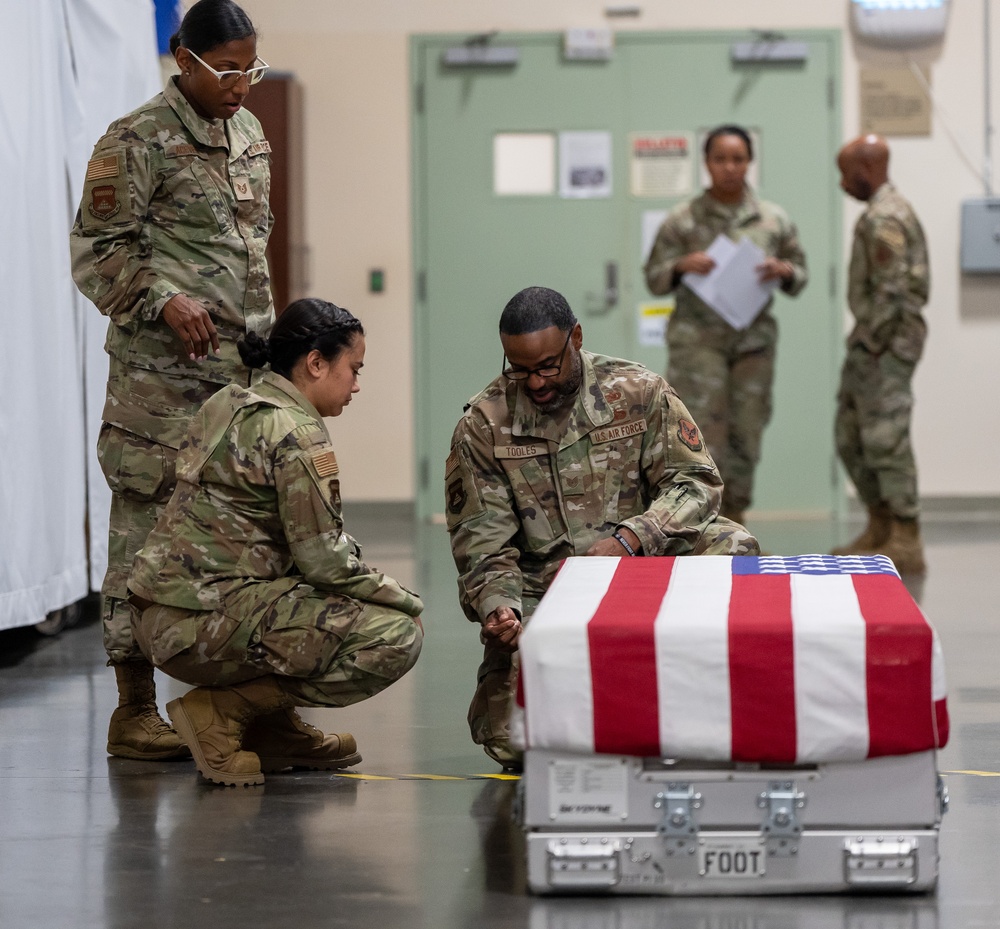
[
  {"x": 584, "y": 164},
  {"x": 733, "y": 287},
  {"x": 662, "y": 164}
]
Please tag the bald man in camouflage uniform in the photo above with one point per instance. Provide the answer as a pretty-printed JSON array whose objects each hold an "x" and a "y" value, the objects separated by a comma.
[
  {"x": 888, "y": 286},
  {"x": 249, "y": 587},
  {"x": 568, "y": 453},
  {"x": 169, "y": 243},
  {"x": 725, "y": 374}
]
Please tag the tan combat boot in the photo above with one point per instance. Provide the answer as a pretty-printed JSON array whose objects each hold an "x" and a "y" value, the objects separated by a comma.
[
  {"x": 137, "y": 730},
  {"x": 905, "y": 547},
  {"x": 283, "y": 739},
  {"x": 876, "y": 533},
  {"x": 505, "y": 755},
  {"x": 212, "y": 720}
]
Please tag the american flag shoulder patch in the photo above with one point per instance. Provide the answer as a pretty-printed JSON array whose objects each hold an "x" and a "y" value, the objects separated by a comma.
[
  {"x": 325, "y": 462},
  {"x": 98, "y": 168}
]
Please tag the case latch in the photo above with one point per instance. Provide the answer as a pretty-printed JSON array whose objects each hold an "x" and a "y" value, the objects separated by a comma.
[
  {"x": 781, "y": 827},
  {"x": 677, "y": 803},
  {"x": 781, "y": 801}
]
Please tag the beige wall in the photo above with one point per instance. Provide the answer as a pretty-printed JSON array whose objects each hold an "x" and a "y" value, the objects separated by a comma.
[{"x": 352, "y": 61}]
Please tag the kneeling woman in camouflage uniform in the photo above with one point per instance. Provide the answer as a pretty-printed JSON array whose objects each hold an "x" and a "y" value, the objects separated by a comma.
[{"x": 248, "y": 587}]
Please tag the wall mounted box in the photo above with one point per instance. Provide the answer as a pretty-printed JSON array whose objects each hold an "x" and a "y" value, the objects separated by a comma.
[{"x": 980, "y": 251}]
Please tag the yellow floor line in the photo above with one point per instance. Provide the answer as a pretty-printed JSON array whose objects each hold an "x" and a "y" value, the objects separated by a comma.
[
  {"x": 975, "y": 773},
  {"x": 430, "y": 777},
  {"x": 365, "y": 777},
  {"x": 426, "y": 777}
]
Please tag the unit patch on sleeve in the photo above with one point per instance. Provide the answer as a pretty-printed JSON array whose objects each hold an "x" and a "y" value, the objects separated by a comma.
[
  {"x": 104, "y": 202},
  {"x": 688, "y": 433},
  {"x": 460, "y": 494}
]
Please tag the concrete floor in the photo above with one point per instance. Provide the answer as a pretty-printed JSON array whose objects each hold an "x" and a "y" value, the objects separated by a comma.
[{"x": 421, "y": 836}]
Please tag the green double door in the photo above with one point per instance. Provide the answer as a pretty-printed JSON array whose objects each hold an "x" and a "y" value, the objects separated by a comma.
[{"x": 501, "y": 153}]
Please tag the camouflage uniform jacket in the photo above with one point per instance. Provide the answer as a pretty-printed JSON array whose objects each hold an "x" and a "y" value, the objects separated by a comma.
[
  {"x": 257, "y": 500},
  {"x": 693, "y": 226},
  {"x": 176, "y": 204},
  {"x": 888, "y": 278},
  {"x": 525, "y": 490}
]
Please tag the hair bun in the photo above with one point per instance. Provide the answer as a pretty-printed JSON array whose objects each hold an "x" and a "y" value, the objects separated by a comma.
[{"x": 254, "y": 350}]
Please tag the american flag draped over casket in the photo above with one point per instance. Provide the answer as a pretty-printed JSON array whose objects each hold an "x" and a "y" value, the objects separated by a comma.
[{"x": 760, "y": 659}]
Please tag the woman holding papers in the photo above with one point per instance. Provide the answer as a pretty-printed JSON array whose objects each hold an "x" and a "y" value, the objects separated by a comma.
[{"x": 724, "y": 253}]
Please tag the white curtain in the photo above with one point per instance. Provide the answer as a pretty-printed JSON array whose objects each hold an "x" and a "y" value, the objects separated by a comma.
[{"x": 74, "y": 66}]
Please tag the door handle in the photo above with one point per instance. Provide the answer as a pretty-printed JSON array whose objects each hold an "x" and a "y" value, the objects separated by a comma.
[{"x": 611, "y": 285}]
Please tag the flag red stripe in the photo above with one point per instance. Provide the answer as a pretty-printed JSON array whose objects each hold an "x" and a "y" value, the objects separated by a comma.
[
  {"x": 762, "y": 668},
  {"x": 943, "y": 724},
  {"x": 623, "y": 658},
  {"x": 899, "y": 646}
]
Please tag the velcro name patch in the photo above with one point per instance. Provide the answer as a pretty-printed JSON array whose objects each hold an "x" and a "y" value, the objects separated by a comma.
[
  {"x": 519, "y": 451},
  {"x": 180, "y": 151},
  {"x": 259, "y": 148},
  {"x": 619, "y": 431}
]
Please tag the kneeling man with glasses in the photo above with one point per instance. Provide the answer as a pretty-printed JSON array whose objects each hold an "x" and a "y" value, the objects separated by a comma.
[{"x": 566, "y": 453}]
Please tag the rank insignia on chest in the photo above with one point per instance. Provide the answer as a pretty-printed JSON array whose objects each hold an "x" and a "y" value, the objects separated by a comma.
[
  {"x": 325, "y": 463},
  {"x": 104, "y": 202},
  {"x": 241, "y": 185}
]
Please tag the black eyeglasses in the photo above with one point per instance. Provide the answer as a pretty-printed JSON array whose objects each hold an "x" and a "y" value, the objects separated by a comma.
[{"x": 522, "y": 374}]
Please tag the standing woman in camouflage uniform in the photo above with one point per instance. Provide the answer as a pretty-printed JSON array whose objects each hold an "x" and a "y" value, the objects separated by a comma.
[
  {"x": 248, "y": 586},
  {"x": 169, "y": 244},
  {"x": 722, "y": 374}
]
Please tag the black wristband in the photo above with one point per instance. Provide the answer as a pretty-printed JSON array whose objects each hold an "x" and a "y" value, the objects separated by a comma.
[{"x": 623, "y": 542}]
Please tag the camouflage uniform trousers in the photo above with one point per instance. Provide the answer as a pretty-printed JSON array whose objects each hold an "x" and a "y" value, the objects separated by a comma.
[
  {"x": 496, "y": 682},
  {"x": 724, "y": 377},
  {"x": 328, "y": 649},
  {"x": 141, "y": 476},
  {"x": 874, "y": 408}
]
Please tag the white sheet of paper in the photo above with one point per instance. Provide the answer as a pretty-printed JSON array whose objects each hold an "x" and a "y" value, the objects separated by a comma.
[
  {"x": 739, "y": 287},
  {"x": 733, "y": 287},
  {"x": 704, "y": 284}
]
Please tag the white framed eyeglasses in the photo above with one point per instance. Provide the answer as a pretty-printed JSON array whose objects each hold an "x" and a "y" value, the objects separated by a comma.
[{"x": 229, "y": 79}]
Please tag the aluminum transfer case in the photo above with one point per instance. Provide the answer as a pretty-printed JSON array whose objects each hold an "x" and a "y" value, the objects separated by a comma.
[
  {"x": 849, "y": 801},
  {"x": 641, "y": 825}
]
